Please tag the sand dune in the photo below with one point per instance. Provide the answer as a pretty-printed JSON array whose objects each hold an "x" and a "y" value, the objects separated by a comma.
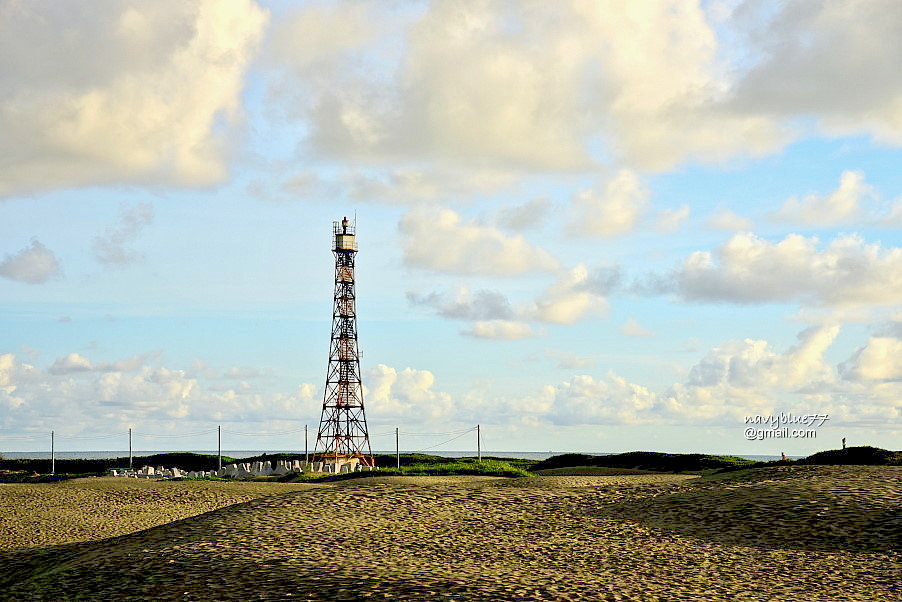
[{"x": 643, "y": 537}]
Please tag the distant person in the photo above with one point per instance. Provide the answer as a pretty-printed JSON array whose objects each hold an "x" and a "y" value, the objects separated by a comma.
[
  {"x": 844, "y": 443},
  {"x": 783, "y": 457}
]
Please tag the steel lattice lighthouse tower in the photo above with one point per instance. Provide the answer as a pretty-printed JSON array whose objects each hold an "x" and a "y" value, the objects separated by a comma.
[{"x": 343, "y": 437}]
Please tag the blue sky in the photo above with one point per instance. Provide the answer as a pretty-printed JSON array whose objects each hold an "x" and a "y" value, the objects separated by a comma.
[{"x": 587, "y": 226}]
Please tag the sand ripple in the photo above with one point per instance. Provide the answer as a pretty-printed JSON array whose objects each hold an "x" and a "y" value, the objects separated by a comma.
[{"x": 542, "y": 538}]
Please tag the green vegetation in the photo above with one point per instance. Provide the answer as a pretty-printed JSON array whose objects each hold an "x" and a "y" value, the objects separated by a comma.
[
  {"x": 488, "y": 467},
  {"x": 184, "y": 460},
  {"x": 862, "y": 455},
  {"x": 30, "y": 470},
  {"x": 648, "y": 461},
  {"x": 391, "y": 461}
]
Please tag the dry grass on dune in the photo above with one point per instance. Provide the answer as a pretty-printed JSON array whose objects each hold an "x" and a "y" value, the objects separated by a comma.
[{"x": 463, "y": 538}]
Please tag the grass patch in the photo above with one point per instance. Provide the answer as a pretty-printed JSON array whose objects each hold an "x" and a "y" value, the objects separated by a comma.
[
  {"x": 94, "y": 467},
  {"x": 28, "y": 477},
  {"x": 488, "y": 467},
  {"x": 647, "y": 461}
]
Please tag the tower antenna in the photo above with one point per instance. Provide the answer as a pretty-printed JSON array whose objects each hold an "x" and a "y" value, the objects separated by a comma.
[{"x": 343, "y": 438}]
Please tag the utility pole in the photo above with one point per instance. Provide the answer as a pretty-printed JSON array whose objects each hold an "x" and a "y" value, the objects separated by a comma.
[
  {"x": 52, "y": 453},
  {"x": 305, "y": 448},
  {"x": 397, "y": 448},
  {"x": 129, "y": 448},
  {"x": 219, "y": 444},
  {"x": 478, "y": 444}
]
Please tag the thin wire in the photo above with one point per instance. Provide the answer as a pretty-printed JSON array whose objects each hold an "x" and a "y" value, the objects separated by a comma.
[
  {"x": 176, "y": 436},
  {"x": 22, "y": 438},
  {"x": 442, "y": 443},
  {"x": 263, "y": 433},
  {"x": 466, "y": 430},
  {"x": 92, "y": 438}
]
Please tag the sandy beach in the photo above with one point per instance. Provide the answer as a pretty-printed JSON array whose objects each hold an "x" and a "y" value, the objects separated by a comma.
[{"x": 805, "y": 533}]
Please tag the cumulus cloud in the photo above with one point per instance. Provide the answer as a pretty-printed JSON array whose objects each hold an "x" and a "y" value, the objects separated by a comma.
[
  {"x": 843, "y": 205},
  {"x": 639, "y": 81},
  {"x": 113, "y": 246},
  {"x": 586, "y": 400},
  {"x": 575, "y": 295},
  {"x": 748, "y": 269},
  {"x": 741, "y": 376},
  {"x": 407, "y": 394},
  {"x": 443, "y": 242},
  {"x": 504, "y": 330},
  {"x": 527, "y": 215},
  {"x": 833, "y": 62},
  {"x": 731, "y": 381},
  {"x": 134, "y": 92},
  {"x": 726, "y": 220},
  {"x": 408, "y": 185},
  {"x": 34, "y": 264},
  {"x": 670, "y": 220},
  {"x": 570, "y": 361},
  {"x": 570, "y": 298},
  {"x": 879, "y": 360},
  {"x": 613, "y": 211},
  {"x": 71, "y": 363},
  {"x": 465, "y": 305},
  {"x": 105, "y": 396}
]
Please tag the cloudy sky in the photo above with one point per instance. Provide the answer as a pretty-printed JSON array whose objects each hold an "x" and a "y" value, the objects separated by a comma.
[{"x": 588, "y": 225}]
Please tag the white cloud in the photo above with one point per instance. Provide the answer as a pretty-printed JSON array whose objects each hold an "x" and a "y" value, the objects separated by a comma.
[
  {"x": 406, "y": 395},
  {"x": 505, "y": 330},
  {"x": 34, "y": 265},
  {"x": 745, "y": 377},
  {"x": 894, "y": 218},
  {"x": 113, "y": 246},
  {"x": 133, "y": 92},
  {"x": 840, "y": 206},
  {"x": 879, "y": 360},
  {"x": 569, "y": 299},
  {"x": 575, "y": 295},
  {"x": 9, "y": 366},
  {"x": 524, "y": 216},
  {"x": 748, "y": 269},
  {"x": 572, "y": 85},
  {"x": 726, "y": 220},
  {"x": 71, "y": 363},
  {"x": 734, "y": 380},
  {"x": 670, "y": 220},
  {"x": 102, "y": 397},
  {"x": 632, "y": 328},
  {"x": 584, "y": 400},
  {"x": 408, "y": 185},
  {"x": 465, "y": 305},
  {"x": 570, "y": 361},
  {"x": 443, "y": 242},
  {"x": 613, "y": 211},
  {"x": 545, "y": 86},
  {"x": 832, "y": 61}
]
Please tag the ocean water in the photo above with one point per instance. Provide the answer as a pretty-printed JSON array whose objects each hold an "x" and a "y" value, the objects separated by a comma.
[{"x": 527, "y": 455}]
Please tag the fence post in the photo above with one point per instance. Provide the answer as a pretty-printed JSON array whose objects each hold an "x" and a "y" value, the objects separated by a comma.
[{"x": 219, "y": 445}]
